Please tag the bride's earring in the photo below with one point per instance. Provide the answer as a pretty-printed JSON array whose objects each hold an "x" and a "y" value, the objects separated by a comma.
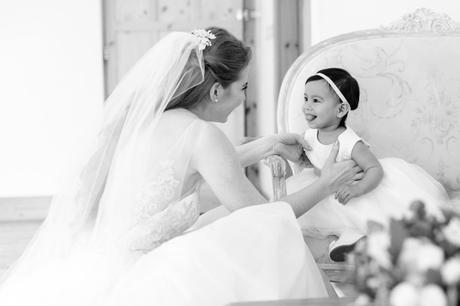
[{"x": 214, "y": 92}]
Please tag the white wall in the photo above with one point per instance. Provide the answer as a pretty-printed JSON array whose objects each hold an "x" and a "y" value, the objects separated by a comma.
[
  {"x": 51, "y": 81},
  {"x": 334, "y": 17}
]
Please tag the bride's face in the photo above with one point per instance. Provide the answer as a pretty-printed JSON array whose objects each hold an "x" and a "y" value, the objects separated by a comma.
[{"x": 233, "y": 96}]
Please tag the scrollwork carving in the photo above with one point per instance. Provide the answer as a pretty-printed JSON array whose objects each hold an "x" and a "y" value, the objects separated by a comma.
[{"x": 424, "y": 20}]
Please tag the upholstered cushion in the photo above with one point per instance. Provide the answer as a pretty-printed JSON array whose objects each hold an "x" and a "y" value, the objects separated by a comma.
[{"x": 410, "y": 96}]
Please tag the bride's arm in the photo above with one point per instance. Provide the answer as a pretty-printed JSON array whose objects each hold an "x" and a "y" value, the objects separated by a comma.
[
  {"x": 288, "y": 145},
  {"x": 253, "y": 151},
  {"x": 216, "y": 160}
]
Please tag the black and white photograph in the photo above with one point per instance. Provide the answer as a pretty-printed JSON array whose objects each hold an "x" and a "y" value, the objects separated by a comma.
[{"x": 230, "y": 152}]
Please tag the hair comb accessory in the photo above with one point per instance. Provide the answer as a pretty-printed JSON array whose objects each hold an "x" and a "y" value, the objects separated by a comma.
[
  {"x": 205, "y": 38},
  {"x": 335, "y": 88}
]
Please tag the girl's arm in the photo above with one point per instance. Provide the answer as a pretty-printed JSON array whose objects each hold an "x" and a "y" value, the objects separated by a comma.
[{"x": 372, "y": 170}]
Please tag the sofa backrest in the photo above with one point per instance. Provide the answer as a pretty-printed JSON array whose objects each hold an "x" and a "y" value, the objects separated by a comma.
[{"x": 409, "y": 76}]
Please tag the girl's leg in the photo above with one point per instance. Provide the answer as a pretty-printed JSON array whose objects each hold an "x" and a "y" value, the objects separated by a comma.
[{"x": 327, "y": 218}]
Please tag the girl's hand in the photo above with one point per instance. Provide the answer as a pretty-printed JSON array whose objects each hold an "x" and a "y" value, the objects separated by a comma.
[
  {"x": 347, "y": 192},
  {"x": 336, "y": 174},
  {"x": 291, "y": 146}
]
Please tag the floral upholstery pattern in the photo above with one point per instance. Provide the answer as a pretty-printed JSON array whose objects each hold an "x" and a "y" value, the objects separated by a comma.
[{"x": 410, "y": 95}]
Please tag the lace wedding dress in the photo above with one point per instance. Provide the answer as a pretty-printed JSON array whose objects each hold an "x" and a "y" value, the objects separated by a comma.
[{"x": 118, "y": 235}]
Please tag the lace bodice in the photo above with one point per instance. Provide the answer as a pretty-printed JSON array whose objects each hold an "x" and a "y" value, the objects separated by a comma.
[{"x": 160, "y": 212}]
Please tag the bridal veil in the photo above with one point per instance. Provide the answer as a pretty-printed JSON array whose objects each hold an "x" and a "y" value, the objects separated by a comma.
[{"x": 95, "y": 207}]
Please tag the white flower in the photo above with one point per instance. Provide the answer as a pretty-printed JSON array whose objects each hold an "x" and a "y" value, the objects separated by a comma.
[
  {"x": 404, "y": 294},
  {"x": 452, "y": 231},
  {"x": 430, "y": 257},
  {"x": 432, "y": 295},
  {"x": 417, "y": 256},
  {"x": 450, "y": 271},
  {"x": 409, "y": 250},
  {"x": 378, "y": 244},
  {"x": 362, "y": 300}
]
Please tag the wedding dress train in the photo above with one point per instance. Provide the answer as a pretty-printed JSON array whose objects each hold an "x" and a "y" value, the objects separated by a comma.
[{"x": 256, "y": 253}]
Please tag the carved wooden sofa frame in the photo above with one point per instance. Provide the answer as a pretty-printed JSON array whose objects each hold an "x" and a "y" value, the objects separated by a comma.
[{"x": 409, "y": 75}]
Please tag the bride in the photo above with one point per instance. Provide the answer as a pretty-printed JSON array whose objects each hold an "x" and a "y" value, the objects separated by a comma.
[{"x": 118, "y": 235}]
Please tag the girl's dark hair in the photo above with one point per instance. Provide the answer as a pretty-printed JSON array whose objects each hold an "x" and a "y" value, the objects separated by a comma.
[
  {"x": 223, "y": 60},
  {"x": 345, "y": 83}
]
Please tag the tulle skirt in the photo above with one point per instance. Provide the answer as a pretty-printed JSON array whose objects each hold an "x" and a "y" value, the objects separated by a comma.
[
  {"x": 402, "y": 184},
  {"x": 255, "y": 253}
]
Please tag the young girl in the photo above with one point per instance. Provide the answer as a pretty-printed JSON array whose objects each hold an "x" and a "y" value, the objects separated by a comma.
[{"x": 388, "y": 185}]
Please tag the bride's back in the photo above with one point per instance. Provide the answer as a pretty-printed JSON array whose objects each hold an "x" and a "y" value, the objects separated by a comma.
[
  {"x": 173, "y": 127},
  {"x": 177, "y": 132}
]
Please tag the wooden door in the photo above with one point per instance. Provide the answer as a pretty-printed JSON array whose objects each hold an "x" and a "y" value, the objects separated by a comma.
[{"x": 131, "y": 27}]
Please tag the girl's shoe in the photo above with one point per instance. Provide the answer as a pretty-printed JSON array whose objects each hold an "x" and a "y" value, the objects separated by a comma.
[{"x": 339, "y": 248}]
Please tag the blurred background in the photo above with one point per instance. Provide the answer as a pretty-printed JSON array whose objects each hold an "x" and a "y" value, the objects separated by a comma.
[{"x": 59, "y": 60}]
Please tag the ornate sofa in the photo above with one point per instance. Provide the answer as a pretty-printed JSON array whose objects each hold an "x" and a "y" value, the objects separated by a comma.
[{"x": 409, "y": 74}]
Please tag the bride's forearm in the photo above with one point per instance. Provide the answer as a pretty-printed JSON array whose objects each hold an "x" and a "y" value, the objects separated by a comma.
[
  {"x": 256, "y": 150},
  {"x": 306, "y": 198}
]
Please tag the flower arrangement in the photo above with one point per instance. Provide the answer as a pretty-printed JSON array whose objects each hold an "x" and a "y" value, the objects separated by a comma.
[{"x": 415, "y": 262}]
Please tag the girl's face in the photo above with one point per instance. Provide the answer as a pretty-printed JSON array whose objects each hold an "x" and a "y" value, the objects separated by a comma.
[
  {"x": 233, "y": 96},
  {"x": 321, "y": 106}
]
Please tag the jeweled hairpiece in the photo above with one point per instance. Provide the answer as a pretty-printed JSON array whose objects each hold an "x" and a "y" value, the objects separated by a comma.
[{"x": 205, "y": 38}]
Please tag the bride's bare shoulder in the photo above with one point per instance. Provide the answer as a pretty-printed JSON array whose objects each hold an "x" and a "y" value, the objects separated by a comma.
[
  {"x": 180, "y": 121},
  {"x": 178, "y": 114},
  {"x": 212, "y": 140},
  {"x": 182, "y": 118},
  {"x": 177, "y": 120}
]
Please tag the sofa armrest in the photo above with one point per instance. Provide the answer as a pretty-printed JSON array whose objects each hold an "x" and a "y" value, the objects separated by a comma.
[{"x": 278, "y": 170}]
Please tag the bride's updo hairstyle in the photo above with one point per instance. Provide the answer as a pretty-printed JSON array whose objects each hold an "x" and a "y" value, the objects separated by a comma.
[{"x": 223, "y": 60}]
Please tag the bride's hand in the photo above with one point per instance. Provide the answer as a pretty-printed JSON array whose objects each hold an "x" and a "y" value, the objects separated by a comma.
[
  {"x": 335, "y": 174},
  {"x": 291, "y": 146}
]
